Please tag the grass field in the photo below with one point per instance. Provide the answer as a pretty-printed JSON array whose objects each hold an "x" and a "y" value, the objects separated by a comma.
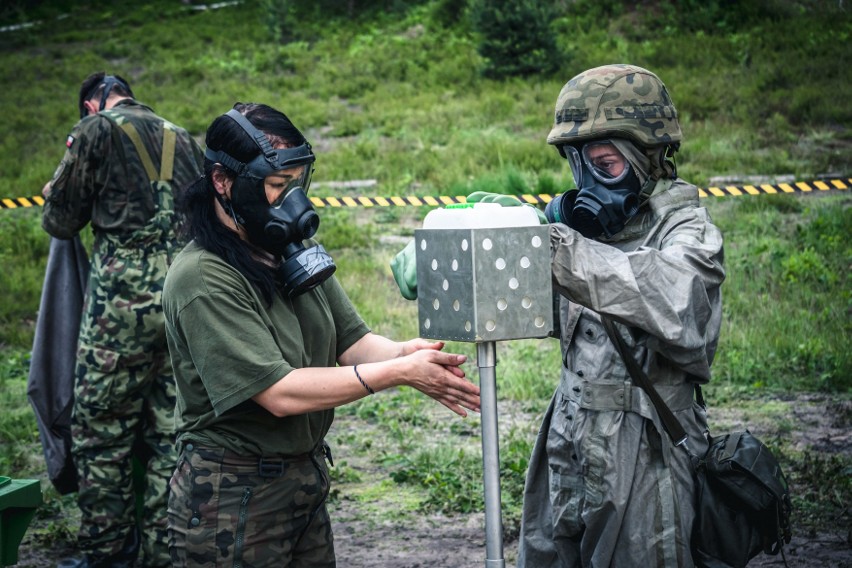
[{"x": 393, "y": 92}]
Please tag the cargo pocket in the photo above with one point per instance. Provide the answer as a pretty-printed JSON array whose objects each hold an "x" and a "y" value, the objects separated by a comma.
[
  {"x": 104, "y": 377},
  {"x": 566, "y": 501}
]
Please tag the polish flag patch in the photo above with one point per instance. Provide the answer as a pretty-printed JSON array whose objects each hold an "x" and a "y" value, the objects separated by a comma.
[{"x": 69, "y": 141}]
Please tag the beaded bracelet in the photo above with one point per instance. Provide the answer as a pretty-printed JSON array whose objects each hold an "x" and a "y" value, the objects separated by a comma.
[{"x": 366, "y": 386}]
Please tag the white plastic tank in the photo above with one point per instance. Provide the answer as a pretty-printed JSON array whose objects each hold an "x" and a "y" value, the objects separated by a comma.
[{"x": 480, "y": 216}]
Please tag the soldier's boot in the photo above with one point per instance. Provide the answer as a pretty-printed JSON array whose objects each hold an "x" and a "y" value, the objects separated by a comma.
[{"x": 126, "y": 558}]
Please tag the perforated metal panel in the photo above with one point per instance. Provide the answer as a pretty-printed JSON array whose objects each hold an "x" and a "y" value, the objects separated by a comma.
[{"x": 478, "y": 285}]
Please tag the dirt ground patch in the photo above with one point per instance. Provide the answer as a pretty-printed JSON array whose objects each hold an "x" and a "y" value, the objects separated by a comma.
[
  {"x": 449, "y": 543},
  {"x": 385, "y": 532},
  {"x": 814, "y": 423}
]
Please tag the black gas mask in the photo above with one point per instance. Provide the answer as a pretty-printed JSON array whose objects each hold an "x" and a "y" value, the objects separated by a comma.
[
  {"x": 278, "y": 227},
  {"x": 607, "y": 193}
]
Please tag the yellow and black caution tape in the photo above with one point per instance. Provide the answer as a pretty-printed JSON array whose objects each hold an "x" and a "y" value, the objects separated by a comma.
[
  {"x": 7, "y": 203},
  {"x": 429, "y": 201},
  {"x": 412, "y": 201},
  {"x": 793, "y": 187},
  {"x": 781, "y": 188}
]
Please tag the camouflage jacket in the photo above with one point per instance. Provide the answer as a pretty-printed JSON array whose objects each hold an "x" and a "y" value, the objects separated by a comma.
[{"x": 103, "y": 178}]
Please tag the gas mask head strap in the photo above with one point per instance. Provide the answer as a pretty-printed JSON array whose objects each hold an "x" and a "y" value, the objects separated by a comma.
[
  {"x": 108, "y": 82},
  {"x": 269, "y": 161}
]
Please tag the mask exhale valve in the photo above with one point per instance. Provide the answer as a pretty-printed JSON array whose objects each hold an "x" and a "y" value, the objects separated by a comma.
[{"x": 593, "y": 213}]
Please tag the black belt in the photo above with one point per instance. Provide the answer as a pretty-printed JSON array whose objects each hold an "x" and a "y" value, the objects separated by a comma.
[{"x": 267, "y": 466}]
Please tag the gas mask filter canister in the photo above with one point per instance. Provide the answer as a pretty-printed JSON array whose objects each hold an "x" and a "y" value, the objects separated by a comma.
[
  {"x": 607, "y": 193},
  {"x": 279, "y": 227}
]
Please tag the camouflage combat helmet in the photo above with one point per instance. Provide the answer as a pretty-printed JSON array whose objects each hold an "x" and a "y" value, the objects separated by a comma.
[{"x": 622, "y": 101}]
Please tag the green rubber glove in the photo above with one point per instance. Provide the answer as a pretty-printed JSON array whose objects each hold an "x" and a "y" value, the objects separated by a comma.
[
  {"x": 499, "y": 198},
  {"x": 404, "y": 268},
  {"x": 504, "y": 201},
  {"x": 542, "y": 220}
]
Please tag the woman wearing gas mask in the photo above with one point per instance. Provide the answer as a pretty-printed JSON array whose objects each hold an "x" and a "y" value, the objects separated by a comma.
[
  {"x": 606, "y": 484},
  {"x": 265, "y": 344}
]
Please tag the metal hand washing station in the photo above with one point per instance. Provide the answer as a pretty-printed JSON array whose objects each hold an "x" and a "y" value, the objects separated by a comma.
[{"x": 483, "y": 285}]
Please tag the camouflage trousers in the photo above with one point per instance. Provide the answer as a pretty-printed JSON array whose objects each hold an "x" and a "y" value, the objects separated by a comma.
[
  {"x": 124, "y": 401},
  {"x": 229, "y": 510},
  {"x": 104, "y": 443}
]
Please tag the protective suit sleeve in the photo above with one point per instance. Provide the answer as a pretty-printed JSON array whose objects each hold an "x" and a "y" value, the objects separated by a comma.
[{"x": 673, "y": 294}]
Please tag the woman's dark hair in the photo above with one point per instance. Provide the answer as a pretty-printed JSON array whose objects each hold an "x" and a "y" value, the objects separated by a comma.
[{"x": 197, "y": 203}]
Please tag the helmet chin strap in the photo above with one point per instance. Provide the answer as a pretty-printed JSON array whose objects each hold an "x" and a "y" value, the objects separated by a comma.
[
  {"x": 648, "y": 188},
  {"x": 669, "y": 161}
]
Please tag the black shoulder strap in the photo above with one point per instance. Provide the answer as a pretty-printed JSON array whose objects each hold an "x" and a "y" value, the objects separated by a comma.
[{"x": 667, "y": 417}]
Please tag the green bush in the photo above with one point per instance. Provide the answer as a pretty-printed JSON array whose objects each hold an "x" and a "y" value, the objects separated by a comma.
[
  {"x": 719, "y": 16},
  {"x": 516, "y": 38}
]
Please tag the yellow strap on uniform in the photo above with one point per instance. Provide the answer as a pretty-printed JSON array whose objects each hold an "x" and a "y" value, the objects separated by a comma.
[
  {"x": 131, "y": 132},
  {"x": 167, "y": 159},
  {"x": 168, "y": 155}
]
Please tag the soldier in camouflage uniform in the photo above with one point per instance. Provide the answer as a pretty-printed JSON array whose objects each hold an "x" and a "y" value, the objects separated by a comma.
[
  {"x": 121, "y": 171},
  {"x": 606, "y": 486},
  {"x": 262, "y": 360}
]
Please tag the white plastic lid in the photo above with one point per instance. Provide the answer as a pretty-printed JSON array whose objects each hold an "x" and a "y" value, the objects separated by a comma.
[{"x": 481, "y": 216}]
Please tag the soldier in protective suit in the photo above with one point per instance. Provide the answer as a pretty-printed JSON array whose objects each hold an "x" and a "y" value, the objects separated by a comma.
[
  {"x": 121, "y": 170},
  {"x": 606, "y": 486}
]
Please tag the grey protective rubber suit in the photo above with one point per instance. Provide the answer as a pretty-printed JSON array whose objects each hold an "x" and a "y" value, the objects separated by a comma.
[{"x": 605, "y": 486}]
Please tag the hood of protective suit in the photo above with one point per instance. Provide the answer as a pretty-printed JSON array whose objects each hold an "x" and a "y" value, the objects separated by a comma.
[
  {"x": 666, "y": 194},
  {"x": 648, "y": 163}
]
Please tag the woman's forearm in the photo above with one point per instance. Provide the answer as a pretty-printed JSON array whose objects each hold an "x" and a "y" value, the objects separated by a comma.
[{"x": 320, "y": 388}]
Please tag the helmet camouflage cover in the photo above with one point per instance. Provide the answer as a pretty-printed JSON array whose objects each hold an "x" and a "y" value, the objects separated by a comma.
[{"x": 622, "y": 101}]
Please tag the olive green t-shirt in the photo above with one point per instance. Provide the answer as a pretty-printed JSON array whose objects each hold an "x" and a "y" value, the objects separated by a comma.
[{"x": 226, "y": 346}]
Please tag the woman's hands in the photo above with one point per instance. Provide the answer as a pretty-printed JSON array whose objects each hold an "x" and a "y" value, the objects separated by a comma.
[
  {"x": 418, "y": 363},
  {"x": 438, "y": 375},
  {"x": 416, "y": 344}
]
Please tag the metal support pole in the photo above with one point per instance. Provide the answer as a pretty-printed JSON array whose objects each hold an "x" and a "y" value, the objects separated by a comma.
[{"x": 486, "y": 360}]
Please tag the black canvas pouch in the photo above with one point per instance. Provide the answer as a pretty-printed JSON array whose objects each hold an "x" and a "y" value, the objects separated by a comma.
[{"x": 743, "y": 503}]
